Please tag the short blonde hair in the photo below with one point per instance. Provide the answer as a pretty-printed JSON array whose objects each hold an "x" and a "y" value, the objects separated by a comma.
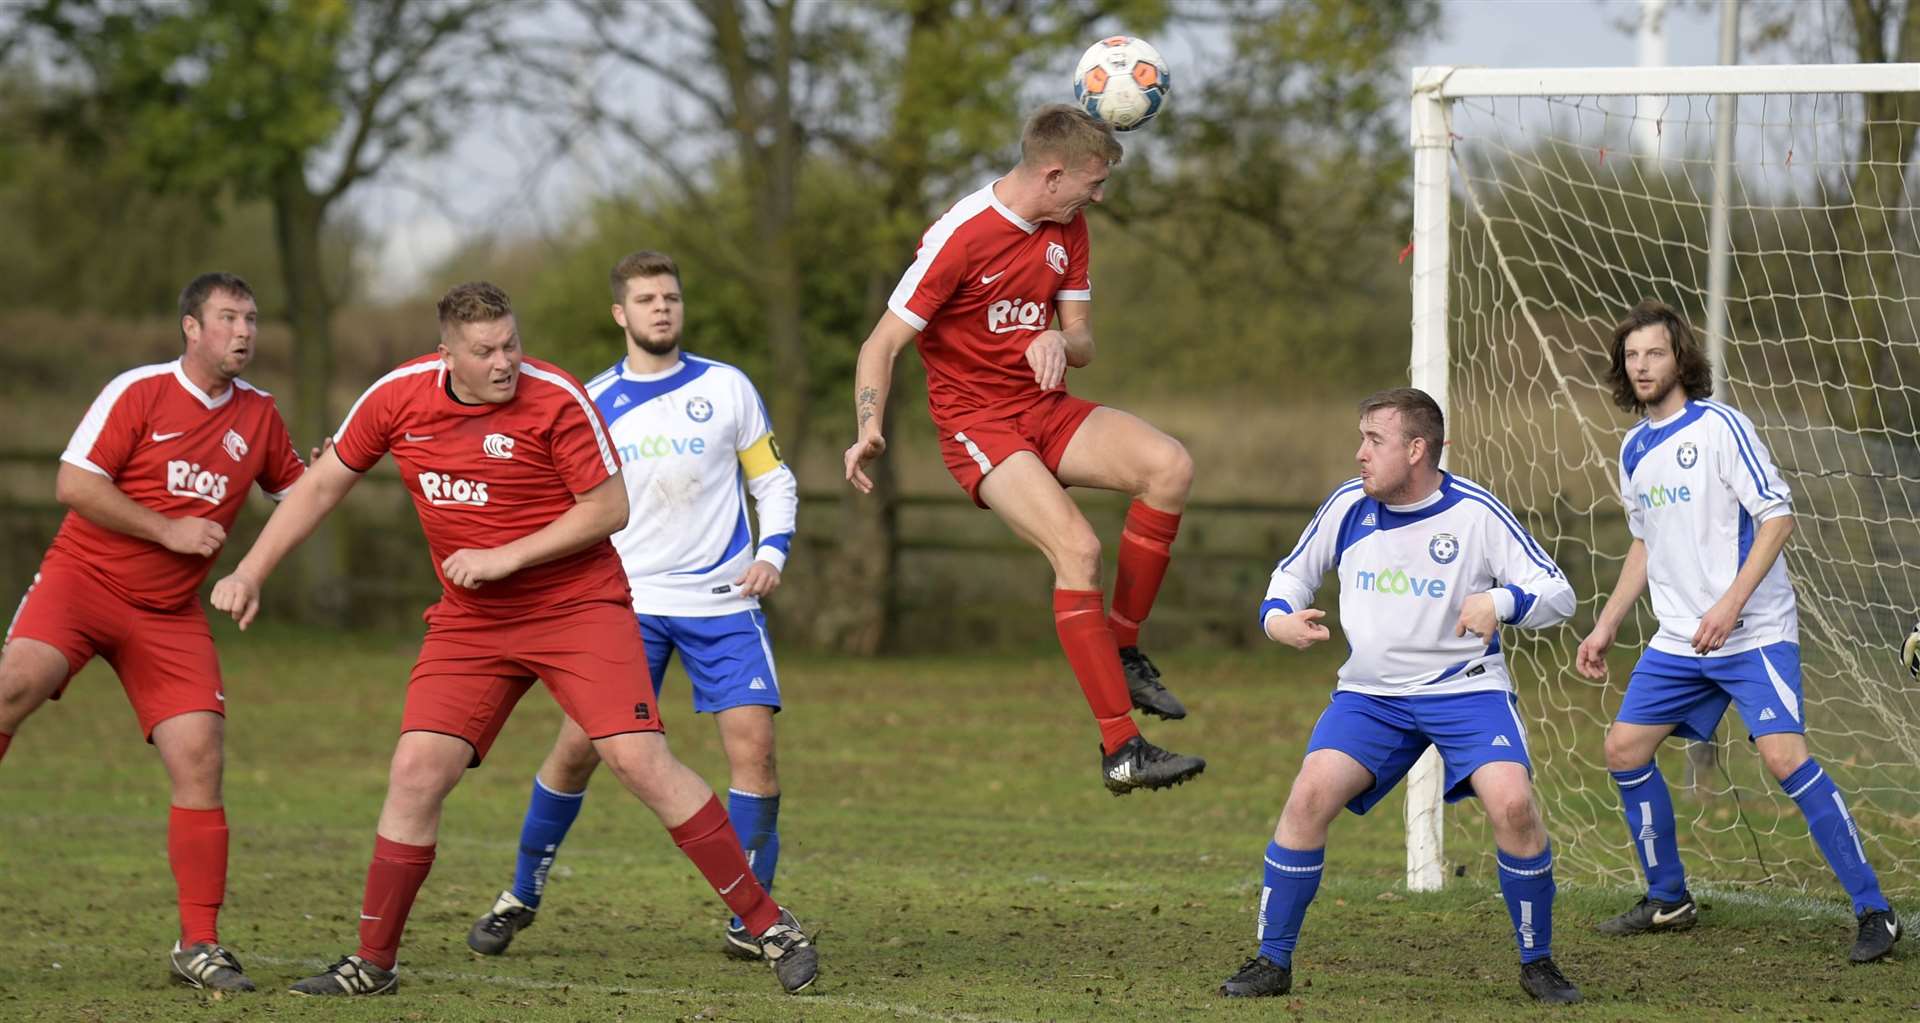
[
  {"x": 1061, "y": 131},
  {"x": 645, "y": 263},
  {"x": 474, "y": 302}
]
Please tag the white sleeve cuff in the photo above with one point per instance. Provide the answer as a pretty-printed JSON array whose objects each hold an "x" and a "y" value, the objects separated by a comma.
[
  {"x": 913, "y": 319},
  {"x": 80, "y": 461},
  {"x": 1502, "y": 603},
  {"x": 773, "y": 556}
]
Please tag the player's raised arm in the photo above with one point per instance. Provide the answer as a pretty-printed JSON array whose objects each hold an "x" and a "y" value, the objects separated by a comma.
[
  {"x": 1285, "y": 615},
  {"x": 310, "y": 501},
  {"x": 872, "y": 379}
]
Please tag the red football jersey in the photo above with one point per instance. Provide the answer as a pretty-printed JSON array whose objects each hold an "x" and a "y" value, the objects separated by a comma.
[
  {"x": 486, "y": 475},
  {"x": 169, "y": 447},
  {"x": 982, "y": 285}
]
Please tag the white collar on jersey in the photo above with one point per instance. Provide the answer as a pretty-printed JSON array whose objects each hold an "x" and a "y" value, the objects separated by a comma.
[
  {"x": 180, "y": 374},
  {"x": 1651, "y": 425},
  {"x": 1014, "y": 218},
  {"x": 627, "y": 373}
]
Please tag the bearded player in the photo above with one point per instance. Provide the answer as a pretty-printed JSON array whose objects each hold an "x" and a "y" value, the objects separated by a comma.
[
  {"x": 1710, "y": 516},
  {"x": 999, "y": 300}
]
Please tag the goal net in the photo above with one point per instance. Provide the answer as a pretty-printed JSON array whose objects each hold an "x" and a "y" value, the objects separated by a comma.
[{"x": 1547, "y": 204}]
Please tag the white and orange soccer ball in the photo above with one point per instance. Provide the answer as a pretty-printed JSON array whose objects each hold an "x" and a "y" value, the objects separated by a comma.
[{"x": 1123, "y": 81}]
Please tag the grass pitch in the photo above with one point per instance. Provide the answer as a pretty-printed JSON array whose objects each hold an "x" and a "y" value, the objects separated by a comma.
[{"x": 944, "y": 832}]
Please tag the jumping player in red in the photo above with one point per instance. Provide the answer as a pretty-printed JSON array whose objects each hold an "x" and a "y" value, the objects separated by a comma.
[
  {"x": 517, "y": 488},
  {"x": 982, "y": 296},
  {"x": 153, "y": 478}
]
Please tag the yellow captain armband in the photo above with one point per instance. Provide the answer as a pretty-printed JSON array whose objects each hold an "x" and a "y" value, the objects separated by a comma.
[{"x": 760, "y": 457}]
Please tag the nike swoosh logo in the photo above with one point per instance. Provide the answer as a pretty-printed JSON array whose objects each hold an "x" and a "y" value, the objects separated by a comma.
[
  {"x": 1660, "y": 918},
  {"x": 984, "y": 279},
  {"x": 160, "y": 437},
  {"x": 415, "y": 440},
  {"x": 222, "y": 697},
  {"x": 735, "y": 884}
]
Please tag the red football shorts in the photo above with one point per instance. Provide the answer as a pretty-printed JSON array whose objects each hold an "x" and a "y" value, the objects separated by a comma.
[
  {"x": 472, "y": 670},
  {"x": 1044, "y": 428},
  {"x": 165, "y": 659}
]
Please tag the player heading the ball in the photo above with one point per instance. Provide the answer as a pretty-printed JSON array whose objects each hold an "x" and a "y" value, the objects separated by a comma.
[{"x": 991, "y": 279}]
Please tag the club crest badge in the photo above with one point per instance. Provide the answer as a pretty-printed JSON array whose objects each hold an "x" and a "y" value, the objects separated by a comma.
[
  {"x": 1687, "y": 455},
  {"x": 1443, "y": 548},
  {"x": 1057, "y": 257},
  {"x": 699, "y": 410}
]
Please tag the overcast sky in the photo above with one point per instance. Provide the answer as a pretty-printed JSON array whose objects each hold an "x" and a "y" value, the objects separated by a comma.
[{"x": 416, "y": 231}]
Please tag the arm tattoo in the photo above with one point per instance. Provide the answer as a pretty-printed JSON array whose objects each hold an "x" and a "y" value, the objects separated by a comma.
[{"x": 867, "y": 403}]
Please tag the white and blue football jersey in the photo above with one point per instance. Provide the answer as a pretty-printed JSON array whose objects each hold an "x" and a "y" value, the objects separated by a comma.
[
  {"x": 1695, "y": 485},
  {"x": 693, "y": 441},
  {"x": 1404, "y": 573}
]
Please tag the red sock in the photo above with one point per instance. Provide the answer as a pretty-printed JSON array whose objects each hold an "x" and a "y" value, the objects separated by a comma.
[
  {"x": 1095, "y": 660},
  {"x": 5, "y": 741},
  {"x": 1145, "y": 546},
  {"x": 393, "y": 879},
  {"x": 197, "y": 848},
  {"x": 709, "y": 841}
]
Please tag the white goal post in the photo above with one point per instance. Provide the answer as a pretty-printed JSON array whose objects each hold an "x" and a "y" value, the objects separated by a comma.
[{"x": 1536, "y": 224}]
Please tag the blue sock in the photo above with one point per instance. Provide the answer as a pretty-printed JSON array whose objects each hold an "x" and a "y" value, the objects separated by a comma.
[
  {"x": 1836, "y": 834},
  {"x": 756, "y": 819},
  {"x": 1650, "y": 822},
  {"x": 1293, "y": 876},
  {"x": 549, "y": 815},
  {"x": 1527, "y": 884}
]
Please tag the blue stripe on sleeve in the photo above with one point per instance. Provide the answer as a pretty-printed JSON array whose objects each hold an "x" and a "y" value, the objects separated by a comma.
[
  {"x": 1273, "y": 604},
  {"x": 1747, "y": 455},
  {"x": 1522, "y": 603},
  {"x": 1312, "y": 527},
  {"x": 782, "y": 542}
]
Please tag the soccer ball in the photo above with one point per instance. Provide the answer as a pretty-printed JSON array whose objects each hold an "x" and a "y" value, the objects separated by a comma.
[{"x": 1123, "y": 81}]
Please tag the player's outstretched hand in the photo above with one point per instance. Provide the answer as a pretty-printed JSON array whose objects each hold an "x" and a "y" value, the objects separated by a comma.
[
  {"x": 1300, "y": 629},
  {"x": 761, "y": 579},
  {"x": 319, "y": 449},
  {"x": 468, "y": 568},
  {"x": 238, "y": 596},
  {"x": 1048, "y": 357},
  {"x": 1715, "y": 627},
  {"x": 1478, "y": 616},
  {"x": 191, "y": 534},
  {"x": 1591, "y": 658},
  {"x": 864, "y": 451}
]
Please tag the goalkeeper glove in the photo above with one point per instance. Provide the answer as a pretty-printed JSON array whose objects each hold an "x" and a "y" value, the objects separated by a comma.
[{"x": 1910, "y": 652}]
